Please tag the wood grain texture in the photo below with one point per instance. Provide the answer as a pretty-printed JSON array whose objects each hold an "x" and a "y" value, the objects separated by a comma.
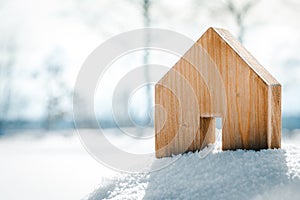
[{"x": 217, "y": 77}]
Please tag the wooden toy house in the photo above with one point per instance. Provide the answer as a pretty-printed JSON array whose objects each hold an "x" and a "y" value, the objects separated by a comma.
[{"x": 217, "y": 77}]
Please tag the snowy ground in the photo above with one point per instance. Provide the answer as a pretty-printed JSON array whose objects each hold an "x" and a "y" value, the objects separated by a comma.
[
  {"x": 58, "y": 167},
  {"x": 50, "y": 167},
  {"x": 266, "y": 174}
]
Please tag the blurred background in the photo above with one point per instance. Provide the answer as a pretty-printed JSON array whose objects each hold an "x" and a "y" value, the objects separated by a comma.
[{"x": 44, "y": 43}]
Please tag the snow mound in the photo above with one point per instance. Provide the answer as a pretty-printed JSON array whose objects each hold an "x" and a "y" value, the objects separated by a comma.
[{"x": 265, "y": 174}]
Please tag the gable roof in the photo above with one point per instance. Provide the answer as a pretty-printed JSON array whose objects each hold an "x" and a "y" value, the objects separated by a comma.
[{"x": 240, "y": 50}]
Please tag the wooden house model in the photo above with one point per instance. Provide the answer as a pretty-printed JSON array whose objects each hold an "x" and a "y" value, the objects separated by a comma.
[{"x": 217, "y": 77}]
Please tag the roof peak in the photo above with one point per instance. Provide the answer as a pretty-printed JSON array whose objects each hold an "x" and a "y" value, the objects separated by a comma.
[{"x": 243, "y": 53}]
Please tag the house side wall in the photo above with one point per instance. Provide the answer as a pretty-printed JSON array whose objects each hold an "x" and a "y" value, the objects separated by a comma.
[{"x": 275, "y": 120}]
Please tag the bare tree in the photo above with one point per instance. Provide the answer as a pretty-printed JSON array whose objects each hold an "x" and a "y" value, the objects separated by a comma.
[
  {"x": 94, "y": 17},
  {"x": 57, "y": 91},
  {"x": 147, "y": 21},
  {"x": 7, "y": 62},
  {"x": 239, "y": 10}
]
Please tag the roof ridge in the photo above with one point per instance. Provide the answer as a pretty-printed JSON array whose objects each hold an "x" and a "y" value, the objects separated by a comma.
[{"x": 245, "y": 55}]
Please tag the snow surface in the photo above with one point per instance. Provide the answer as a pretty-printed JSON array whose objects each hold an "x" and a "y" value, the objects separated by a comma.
[
  {"x": 36, "y": 165},
  {"x": 56, "y": 166},
  {"x": 265, "y": 174}
]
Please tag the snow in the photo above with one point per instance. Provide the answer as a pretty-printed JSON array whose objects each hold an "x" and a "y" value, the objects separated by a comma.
[
  {"x": 56, "y": 166},
  {"x": 265, "y": 174},
  {"x": 49, "y": 166}
]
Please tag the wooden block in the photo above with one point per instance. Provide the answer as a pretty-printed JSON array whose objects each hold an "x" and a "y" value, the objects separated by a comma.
[{"x": 217, "y": 77}]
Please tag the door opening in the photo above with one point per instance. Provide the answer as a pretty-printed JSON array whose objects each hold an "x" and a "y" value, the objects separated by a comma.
[{"x": 218, "y": 133}]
